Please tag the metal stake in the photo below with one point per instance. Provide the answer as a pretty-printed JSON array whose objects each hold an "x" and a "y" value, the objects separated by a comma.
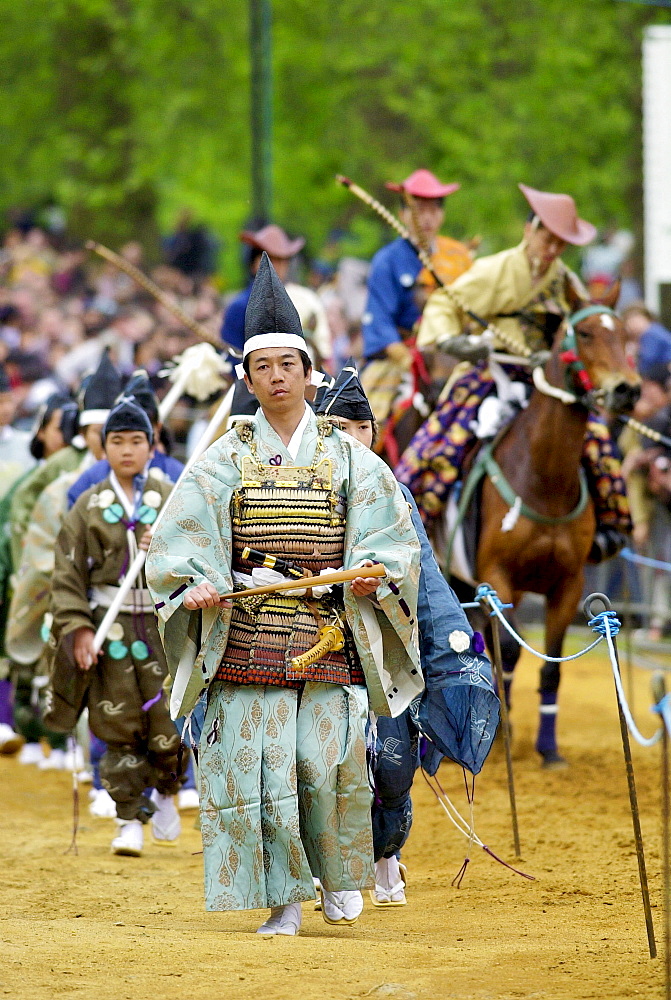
[
  {"x": 505, "y": 723},
  {"x": 659, "y": 693},
  {"x": 633, "y": 800}
]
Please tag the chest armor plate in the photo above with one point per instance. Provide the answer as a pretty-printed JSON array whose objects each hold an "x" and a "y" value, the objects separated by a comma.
[{"x": 292, "y": 513}]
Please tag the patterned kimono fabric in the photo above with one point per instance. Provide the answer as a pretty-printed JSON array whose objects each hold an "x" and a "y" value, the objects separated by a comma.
[
  {"x": 284, "y": 786},
  {"x": 432, "y": 462},
  {"x": 125, "y": 697}
]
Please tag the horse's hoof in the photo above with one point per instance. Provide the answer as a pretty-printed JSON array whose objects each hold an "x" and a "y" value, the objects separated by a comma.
[{"x": 553, "y": 761}]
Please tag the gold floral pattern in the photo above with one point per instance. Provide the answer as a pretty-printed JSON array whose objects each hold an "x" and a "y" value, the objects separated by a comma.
[{"x": 263, "y": 853}]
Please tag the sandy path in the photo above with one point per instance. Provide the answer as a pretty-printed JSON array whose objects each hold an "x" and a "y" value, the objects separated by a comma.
[{"x": 115, "y": 928}]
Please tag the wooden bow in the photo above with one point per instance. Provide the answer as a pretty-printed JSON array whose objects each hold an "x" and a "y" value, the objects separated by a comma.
[{"x": 325, "y": 579}]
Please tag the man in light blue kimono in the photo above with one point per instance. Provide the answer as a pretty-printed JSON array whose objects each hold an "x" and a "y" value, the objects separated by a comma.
[{"x": 290, "y": 677}]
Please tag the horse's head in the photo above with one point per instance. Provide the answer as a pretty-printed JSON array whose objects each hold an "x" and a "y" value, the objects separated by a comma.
[{"x": 592, "y": 348}]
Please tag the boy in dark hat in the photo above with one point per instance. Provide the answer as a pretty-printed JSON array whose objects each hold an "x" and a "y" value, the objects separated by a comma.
[
  {"x": 289, "y": 676},
  {"x": 123, "y": 685},
  {"x": 139, "y": 389},
  {"x": 441, "y": 620}
]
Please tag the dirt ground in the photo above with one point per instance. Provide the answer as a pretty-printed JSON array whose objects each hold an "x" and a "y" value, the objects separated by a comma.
[{"x": 113, "y": 928}]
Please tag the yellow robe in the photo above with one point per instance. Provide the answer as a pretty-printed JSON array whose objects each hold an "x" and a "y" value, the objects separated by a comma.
[{"x": 495, "y": 285}]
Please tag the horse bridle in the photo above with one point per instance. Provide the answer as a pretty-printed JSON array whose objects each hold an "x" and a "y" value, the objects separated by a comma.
[{"x": 576, "y": 377}]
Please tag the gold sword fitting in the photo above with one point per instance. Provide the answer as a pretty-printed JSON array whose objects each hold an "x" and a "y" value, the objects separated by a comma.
[{"x": 331, "y": 640}]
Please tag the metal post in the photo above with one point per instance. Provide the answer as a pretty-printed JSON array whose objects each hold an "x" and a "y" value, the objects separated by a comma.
[
  {"x": 659, "y": 693},
  {"x": 261, "y": 108},
  {"x": 497, "y": 659},
  {"x": 588, "y": 607},
  {"x": 626, "y": 621}
]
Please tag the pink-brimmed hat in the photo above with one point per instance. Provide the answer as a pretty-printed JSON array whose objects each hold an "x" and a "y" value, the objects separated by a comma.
[
  {"x": 423, "y": 184},
  {"x": 558, "y": 213},
  {"x": 274, "y": 241}
]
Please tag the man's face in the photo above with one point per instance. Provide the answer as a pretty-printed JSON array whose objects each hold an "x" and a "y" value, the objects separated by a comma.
[
  {"x": 429, "y": 214},
  {"x": 127, "y": 452},
  {"x": 277, "y": 379},
  {"x": 542, "y": 245}
]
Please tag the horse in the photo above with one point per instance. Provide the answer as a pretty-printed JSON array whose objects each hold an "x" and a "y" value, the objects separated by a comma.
[{"x": 548, "y": 532}]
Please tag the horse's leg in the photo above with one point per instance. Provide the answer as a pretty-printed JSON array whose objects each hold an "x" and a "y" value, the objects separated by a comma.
[{"x": 561, "y": 607}]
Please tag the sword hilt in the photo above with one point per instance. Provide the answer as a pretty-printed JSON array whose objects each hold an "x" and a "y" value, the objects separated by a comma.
[
  {"x": 283, "y": 566},
  {"x": 331, "y": 640}
]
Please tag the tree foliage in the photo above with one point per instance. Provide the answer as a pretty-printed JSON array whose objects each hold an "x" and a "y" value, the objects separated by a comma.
[{"x": 128, "y": 110}]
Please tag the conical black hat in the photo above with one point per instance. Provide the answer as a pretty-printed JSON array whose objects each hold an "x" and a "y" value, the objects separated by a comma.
[
  {"x": 320, "y": 393},
  {"x": 346, "y": 397},
  {"x": 99, "y": 393},
  {"x": 139, "y": 388},
  {"x": 271, "y": 314}
]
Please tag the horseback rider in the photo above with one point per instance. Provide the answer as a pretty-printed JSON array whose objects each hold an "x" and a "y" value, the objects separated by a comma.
[
  {"x": 526, "y": 291},
  {"x": 397, "y": 283}
]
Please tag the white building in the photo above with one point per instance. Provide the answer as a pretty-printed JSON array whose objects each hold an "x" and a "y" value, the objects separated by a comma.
[{"x": 657, "y": 167}]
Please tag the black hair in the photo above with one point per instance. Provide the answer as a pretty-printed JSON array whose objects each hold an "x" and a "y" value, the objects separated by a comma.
[{"x": 305, "y": 358}]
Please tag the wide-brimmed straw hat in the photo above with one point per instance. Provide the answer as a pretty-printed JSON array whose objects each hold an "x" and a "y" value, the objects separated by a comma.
[
  {"x": 558, "y": 213},
  {"x": 423, "y": 184},
  {"x": 274, "y": 241}
]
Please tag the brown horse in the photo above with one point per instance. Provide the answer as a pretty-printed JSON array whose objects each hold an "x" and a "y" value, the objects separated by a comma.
[{"x": 540, "y": 457}]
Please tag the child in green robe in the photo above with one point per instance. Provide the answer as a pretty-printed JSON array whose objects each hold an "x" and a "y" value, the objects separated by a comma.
[{"x": 123, "y": 685}]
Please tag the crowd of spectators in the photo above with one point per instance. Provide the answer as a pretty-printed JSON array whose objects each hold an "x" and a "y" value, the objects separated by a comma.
[{"x": 61, "y": 307}]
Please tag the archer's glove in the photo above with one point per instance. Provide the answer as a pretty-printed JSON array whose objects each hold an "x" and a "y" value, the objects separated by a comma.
[{"x": 466, "y": 348}]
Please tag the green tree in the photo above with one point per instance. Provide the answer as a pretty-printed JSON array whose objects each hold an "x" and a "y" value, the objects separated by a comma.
[{"x": 127, "y": 111}]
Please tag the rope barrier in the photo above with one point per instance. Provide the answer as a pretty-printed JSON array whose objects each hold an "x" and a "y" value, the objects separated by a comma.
[
  {"x": 488, "y": 593},
  {"x": 634, "y": 557},
  {"x": 607, "y": 625}
]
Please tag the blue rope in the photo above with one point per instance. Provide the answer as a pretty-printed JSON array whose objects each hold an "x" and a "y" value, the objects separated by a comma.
[
  {"x": 484, "y": 590},
  {"x": 488, "y": 593},
  {"x": 663, "y": 708},
  {"x": 598, "y": 624},
  {"x": 607, "y": 624},
  {"x": 645, "y": 560}
]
